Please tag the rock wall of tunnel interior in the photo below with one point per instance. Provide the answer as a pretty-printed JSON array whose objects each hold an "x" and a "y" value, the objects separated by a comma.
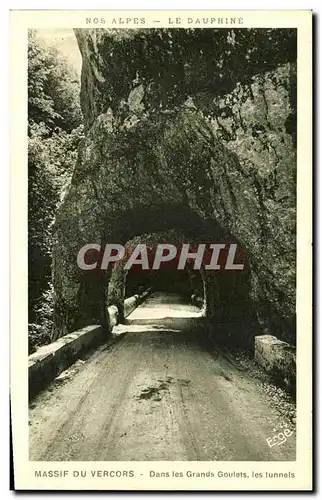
[
  {"x": 125, "y": 283},
  {"x": 187, "y": 138}
]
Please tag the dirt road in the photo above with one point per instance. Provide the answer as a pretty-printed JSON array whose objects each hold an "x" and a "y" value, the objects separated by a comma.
[{"x": 157, "y": 394}]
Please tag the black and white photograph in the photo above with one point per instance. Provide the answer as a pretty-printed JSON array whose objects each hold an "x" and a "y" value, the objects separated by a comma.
[{"x": 163, "y": 223}]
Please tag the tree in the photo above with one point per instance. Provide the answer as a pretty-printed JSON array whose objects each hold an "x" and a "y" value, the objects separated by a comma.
[
  {"x": 54, "y": 131},
  {"x": 53, "y": 88}
]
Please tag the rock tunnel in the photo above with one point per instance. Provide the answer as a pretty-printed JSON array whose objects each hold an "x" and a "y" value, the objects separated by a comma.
[{"x": 182, "y": 148}]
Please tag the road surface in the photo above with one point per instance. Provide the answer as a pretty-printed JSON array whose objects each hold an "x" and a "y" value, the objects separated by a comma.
[{"x": 156, "y": 394}]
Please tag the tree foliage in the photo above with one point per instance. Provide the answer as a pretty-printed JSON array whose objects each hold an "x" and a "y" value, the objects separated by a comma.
[{"x": 54, "y": 131}]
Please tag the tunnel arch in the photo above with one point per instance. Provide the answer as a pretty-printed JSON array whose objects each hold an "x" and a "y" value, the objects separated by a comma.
[{"x": 148, "y": 225}]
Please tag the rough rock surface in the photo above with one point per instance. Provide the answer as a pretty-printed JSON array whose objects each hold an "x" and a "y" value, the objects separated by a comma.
[
  {"x": 179, "y": 138},
  {"x": 278, "y": 358}
]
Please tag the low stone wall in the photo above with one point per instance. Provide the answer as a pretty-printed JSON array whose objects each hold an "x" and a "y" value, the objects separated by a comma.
[
  {"x": 113, "y": 314},
  {"x": 52, "y": 359},
  {"x": 130, "y": 304},
  {"x": 278, "y": 358},
  {"x": 133, "y": 302}
]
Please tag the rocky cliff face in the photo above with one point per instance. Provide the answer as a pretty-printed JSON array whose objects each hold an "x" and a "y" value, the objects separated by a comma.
[
  {"x": 257, "y": 121},
  {"x": 191, "y": 130}
]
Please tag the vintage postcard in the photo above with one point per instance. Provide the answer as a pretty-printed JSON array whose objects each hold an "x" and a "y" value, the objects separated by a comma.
[{"x": 161, "y": 205}]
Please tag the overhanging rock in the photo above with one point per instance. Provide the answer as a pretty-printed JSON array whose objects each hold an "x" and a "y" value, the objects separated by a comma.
[{"x": 187, "y": 145}]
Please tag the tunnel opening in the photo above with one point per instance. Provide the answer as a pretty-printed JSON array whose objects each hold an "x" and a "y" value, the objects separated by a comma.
[
  {"x": 221, "y": 297},
  {"x": 168, "y": 280}
]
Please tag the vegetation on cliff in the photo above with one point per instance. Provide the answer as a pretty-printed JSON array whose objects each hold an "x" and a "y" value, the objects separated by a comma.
[{"x": 54, "y": 130}]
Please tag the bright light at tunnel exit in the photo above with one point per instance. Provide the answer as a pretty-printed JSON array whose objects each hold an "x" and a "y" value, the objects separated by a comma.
[{"x": 212, "y": 257}]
